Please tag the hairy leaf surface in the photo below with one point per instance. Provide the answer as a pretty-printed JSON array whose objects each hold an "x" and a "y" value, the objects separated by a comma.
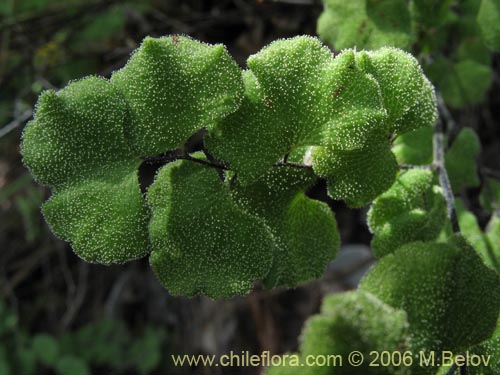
[
  {"x": 412, "y": 209},
  {"x": 452, "y": 299},
  {"x": 76, "y": 145},
  {"x": 176, "y": 86},
  {"x": 305, "y": 230},
  {"x": 353, "y": 320},
  {"x": 202, "y": 241}
]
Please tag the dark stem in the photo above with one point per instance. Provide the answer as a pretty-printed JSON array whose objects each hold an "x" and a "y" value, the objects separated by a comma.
[
  {"x": 175, "y": 156},
  {"x": 405, "y": 167},
  {"x": 292, "y": 165},
  {"x": 439, "y": 165},
  {"x": 464, "y": 370}
]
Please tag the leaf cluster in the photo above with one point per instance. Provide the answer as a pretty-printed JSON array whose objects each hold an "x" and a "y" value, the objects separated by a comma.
[
  {"x": 454, "y": 40},
  {"x": 103, "y": 344}
]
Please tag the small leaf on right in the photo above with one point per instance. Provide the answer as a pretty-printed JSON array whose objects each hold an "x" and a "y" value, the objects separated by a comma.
[
  {"x": 488, "y": 19},
  {"x": 461, "y": 160},
  {"x": 490, "y": 349}
]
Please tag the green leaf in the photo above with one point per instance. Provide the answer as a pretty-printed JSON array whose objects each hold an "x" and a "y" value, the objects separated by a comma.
[
  {"x": 415, "y": 147},
  {"x": 176, "y": 86},
  {"x": 203, "y": 242},
  {"x": 289, "y": 90},
  {"x": 305, "y": 230},
  {"x": 461, "y": 159},
  {"x": 472, "y": 48},
  {"x": 297, "y": 95},
  {"x": 105, "y": 219},
  {"x": 412, "y": 209},
  {"x": 46, "y": 349},
  {"x": 490, "y": 349},
  {"x": 429, "y": 13},
  {"x": 360, "y": 174},
  {"x": 70, "y": 365},
  {"x": 462, "y": 83},
  {"x": 490, "y": 195},
  {"x": 103, "y": 343},
  {"x": 486, "y": 244},
  {"x": 365, "y": 24},
  {"x": 351, "y": 321},
  {"x": 100, "y": 27},
  {"x": 407, "y": 95},
  {"x": 77, "y": 134},
  {"x": 145, "y": 352},
  {"x": 356, "y": 320},
  {"x": 290, "y": 364},
  {"x": 356, "y": 159},
  {"x": 493, "y": 243},
  {"x": 76, "y": 145},
  {"x": 451, "y": 298},
  {"x": 488, "y": 19},
  {"x": 358, "y": 163}
]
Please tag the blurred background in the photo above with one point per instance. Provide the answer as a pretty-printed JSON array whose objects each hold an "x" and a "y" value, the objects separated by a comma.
[{"x": 60, "y": 315}]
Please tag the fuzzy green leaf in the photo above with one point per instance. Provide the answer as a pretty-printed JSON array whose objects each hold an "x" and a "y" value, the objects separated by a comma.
[
  {"x": 429, "y": 13},
  {"x": 203, "y": 242},
  {"x": 365, "y": 24},
  {"x": 460, "y": 160},
  {"x": 72, "y": 365},
  {"x": 412, "y": 209},
  {"x": 407, "y": 95},
  {"x": 488, "y": 19},
  {"x": 105, "y": 219},
  {"x": 414, "y": 148},
  {"x": 452, "y": 299},
  {"x": 76, "y": 145},
  {"x": 360, "y": 174},
  {"x": 289, "y": 90},
  {"x": 46, "y": 348},
  {"x": 176, "y": 86},
  {"x": 305, "y": 230},
  {"x": 77, "y": 133}
]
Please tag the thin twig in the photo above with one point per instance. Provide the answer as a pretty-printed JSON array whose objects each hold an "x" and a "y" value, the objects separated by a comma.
[
  {"x": 15, "y": 123},
  {"x": 444, "y": 181}
]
